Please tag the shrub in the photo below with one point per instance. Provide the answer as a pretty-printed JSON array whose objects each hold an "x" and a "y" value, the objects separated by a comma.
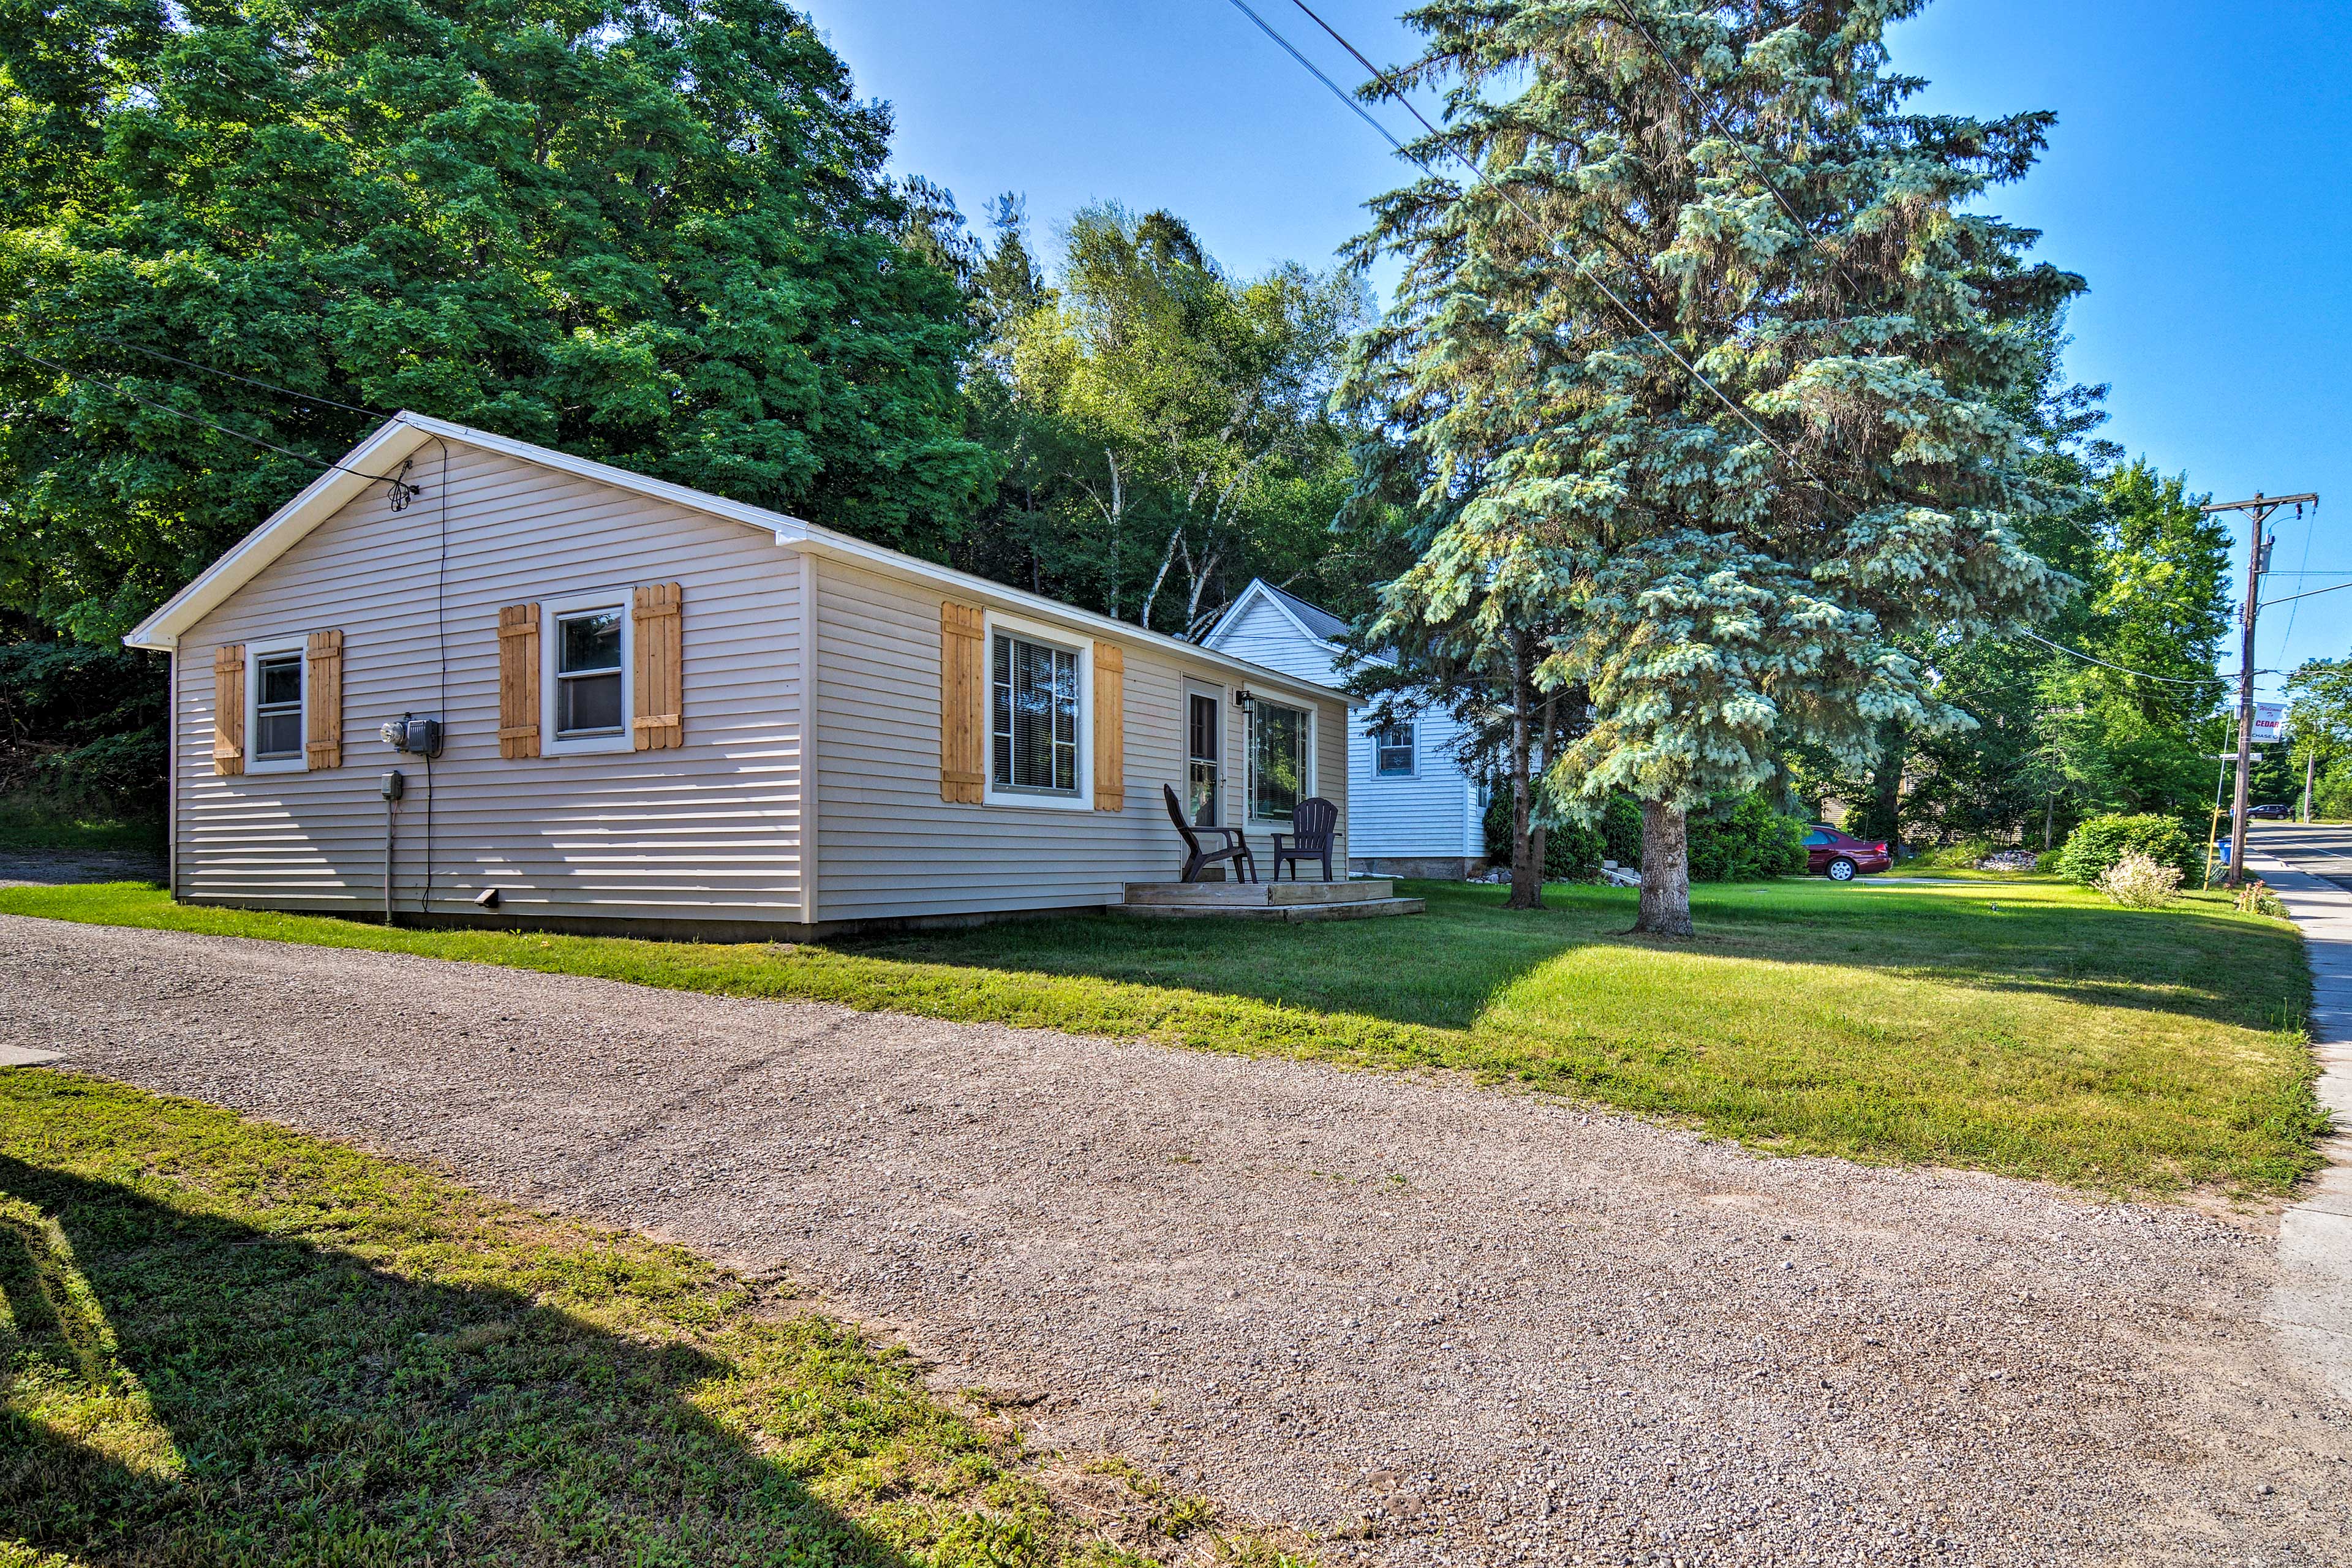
[
  {"x": 1960, "y": 857},
  {"x": 1572, "y": 851},
  {"x": 1744, "y": 840},
  {"x": 1737, "y": 840},
  {"x": 2138, "y": 882},
  {"x": 2101, "y": 842},
  {"x": 2046, "y": 863}
]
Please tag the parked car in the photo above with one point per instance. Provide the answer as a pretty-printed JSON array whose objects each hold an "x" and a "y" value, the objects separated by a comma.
[
  {"x": 1841, "y": 857},
  {"x": 2270, "y": 812}
]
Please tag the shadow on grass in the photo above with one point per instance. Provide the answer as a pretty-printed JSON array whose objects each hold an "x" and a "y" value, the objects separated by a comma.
[
  {"x": 183, "y": 1388},
  {"x": 1443, "y": 970}
]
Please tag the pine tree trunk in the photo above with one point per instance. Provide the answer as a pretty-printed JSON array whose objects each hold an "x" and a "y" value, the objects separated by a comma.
[
  {"x": 1527, "y": 847},
  {"x": 1665, "y": 871}
]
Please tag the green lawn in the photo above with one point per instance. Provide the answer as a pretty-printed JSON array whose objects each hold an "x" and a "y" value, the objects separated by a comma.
[
  {"x": 2023, "y": 1026},
  {"x": 225, "y": 1343}
]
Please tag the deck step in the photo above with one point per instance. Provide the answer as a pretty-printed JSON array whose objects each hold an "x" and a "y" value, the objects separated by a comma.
[
  {"x": 1256, "y": 895},
  {"x": 1343, "y": 910}
]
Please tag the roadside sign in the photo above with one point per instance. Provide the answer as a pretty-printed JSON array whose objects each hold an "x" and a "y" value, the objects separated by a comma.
[{"x": 2270, "y": 718}]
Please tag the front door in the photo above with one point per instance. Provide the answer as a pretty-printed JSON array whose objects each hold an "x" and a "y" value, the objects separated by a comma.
[{"x": 1204, "y": 720}]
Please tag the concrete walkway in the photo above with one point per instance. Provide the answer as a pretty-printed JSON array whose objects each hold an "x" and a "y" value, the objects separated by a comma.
[{"x": 2310, "y": 868}]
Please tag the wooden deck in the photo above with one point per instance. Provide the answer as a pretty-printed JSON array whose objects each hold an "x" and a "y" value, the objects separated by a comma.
[{"x": 1362, "y": 899}]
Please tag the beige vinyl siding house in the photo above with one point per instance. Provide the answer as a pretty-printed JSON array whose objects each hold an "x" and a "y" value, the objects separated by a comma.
[{"x": 668, "y": 710}]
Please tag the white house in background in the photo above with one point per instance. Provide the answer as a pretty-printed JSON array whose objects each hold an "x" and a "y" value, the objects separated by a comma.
[{"x": 1411, "y": 810}]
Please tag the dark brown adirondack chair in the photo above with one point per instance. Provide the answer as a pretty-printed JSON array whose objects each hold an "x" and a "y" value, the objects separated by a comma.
[
  {"x": 1314, "y": 823},
  {"x": 1229, "y": 843}
]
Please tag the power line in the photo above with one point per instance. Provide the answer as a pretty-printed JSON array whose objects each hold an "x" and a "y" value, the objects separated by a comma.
[
  {"x": 398, "y": 484},
  {"x": 1479, "y": 176},
  {"x": 249, "y": 381},
  {"x": 2142, "y": 674},
  {"x": 2291, "y": 599}
]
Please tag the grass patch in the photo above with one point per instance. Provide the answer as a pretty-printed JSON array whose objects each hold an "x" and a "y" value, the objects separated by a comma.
[
  {"x": 2025, "y": 1026},
  {"x": 33, "y": 823},
  {"x": 230, "y": 1343}
]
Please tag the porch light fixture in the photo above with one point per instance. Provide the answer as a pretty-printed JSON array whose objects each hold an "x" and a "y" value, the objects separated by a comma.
[{"x": 1246, "y": 699}]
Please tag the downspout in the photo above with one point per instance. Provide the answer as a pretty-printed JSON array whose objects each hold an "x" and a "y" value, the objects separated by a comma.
[
  {"x": 810, "y": 778},
  {"x": 172, "y": 774}
]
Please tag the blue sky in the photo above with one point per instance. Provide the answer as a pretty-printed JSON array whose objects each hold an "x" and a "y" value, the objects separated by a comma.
[{"x": 2187, "y": 179}]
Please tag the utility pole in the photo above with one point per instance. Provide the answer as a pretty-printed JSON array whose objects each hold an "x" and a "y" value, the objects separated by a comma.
[{"x": 2258, "y": 551}]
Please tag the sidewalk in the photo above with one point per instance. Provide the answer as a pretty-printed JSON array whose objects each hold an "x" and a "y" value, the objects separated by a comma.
[{"x": 2312, "y": 1308}]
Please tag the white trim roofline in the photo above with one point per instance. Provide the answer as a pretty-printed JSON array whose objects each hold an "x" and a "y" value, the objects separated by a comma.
[
  {"x": 1259, "y": 588},
  {"x": 373, "y": 460}
]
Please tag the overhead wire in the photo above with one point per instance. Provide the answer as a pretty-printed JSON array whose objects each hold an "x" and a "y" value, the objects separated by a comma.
[
  {"x": 249, "y": 381},
  {"x": 1480, "y": 177},
  {"x": 81, "y": 375},
  {"x": 2126, "y": 669},
  {"x": 1390, "y": 90}
]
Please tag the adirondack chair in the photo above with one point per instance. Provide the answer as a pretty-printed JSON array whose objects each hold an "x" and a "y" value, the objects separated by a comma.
[
  {"x": 1314, "y": 823},
  {"x": 1229, "y": 843}
]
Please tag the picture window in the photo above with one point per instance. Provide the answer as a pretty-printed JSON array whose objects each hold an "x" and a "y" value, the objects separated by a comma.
[
  {"x": 1279, "y": 775},
  {"x": 1034, "y": 716}
]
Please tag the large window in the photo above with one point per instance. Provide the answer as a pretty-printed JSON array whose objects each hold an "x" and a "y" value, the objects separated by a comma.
[
  {"x": 1392, "y": 753},
  {"x": 1206, "y": 720},
  {"x": 588, "y": 695},
  {"x": 1034, "y": 716},
  {"x": 277, "y": 708},
  {"x": 1278, "y": 774}
]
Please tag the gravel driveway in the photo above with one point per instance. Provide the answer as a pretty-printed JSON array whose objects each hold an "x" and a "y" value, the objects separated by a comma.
[{"x": 1461, "y": 1325}]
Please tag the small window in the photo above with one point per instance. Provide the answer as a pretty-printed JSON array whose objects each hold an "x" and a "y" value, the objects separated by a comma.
[
  {"x": 1034, "y": 716},
  {"x": 1277, "y": 761},
  {"x": 1392, "y": 751},
  {"x": 588, "y": 674},
  {"x": 1817, "y": 838},
  {"x": 278, "y": 707}
]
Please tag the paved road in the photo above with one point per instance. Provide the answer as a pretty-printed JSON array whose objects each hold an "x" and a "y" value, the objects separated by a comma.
[
  {"x": 2311, "y": 868},
  {"x": 1485, "y": 1328}
]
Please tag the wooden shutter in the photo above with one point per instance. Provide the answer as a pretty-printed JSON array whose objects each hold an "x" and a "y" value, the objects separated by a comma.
[
  {"x": 324, "y": 674},
  {"x": 660, "y": 723},
  {"x": 1110, "y": 727},
  {"x": 963, "y": 703},
  {"x": 228, "y": 708},
  {"x": 518, "y": 681}
]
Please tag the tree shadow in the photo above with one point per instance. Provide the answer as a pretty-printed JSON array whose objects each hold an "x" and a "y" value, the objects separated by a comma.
[
  {"x": 183, "y": 1388},
  {"x": 1444, "y": 969}
]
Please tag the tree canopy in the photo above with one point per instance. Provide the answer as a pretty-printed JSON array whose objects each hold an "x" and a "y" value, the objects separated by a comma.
[{"x": 654, "y": 233}]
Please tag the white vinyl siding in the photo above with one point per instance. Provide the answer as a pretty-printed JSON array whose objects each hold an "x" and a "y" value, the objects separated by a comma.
[
  {"x": 892, "y": 848},
  {"x": 1431, "y": 813},
  {"x": 709, "y": 831}
]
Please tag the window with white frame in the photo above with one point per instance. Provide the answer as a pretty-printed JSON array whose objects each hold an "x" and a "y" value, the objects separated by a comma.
[
  {"x": 1392, "y": 751},
  {"x": 278, "y": 707},
  {"x": 1280, "y": 776},
  {"x": 590, "y": 697},
  {"x": 1033, "y": 716}
]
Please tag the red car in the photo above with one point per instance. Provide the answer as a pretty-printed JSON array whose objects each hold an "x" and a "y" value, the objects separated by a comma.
[{"x": 1841, "y": 857}]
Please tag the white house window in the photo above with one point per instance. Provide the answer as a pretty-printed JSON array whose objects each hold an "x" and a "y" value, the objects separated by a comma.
[
  {"x": 1034, "y": 716},
  {"x": 1278, "y": 773},
  {"x": 277, "y": 708},
  {"x": 588, "y": 695},
  {"x": 1393, "y": 755}
]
